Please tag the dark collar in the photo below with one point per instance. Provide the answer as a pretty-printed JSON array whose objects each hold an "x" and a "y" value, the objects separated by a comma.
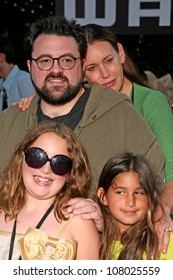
[{"x": 73, "y": 117}]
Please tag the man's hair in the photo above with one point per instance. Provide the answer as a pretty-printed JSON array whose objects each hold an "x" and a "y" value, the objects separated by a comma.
[
  {"x": 55, "y": 25},
  {"x": 6, "y": 47}
]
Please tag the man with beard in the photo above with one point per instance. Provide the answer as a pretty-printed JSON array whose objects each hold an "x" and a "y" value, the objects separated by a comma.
[{"x": 104, "y": 120}]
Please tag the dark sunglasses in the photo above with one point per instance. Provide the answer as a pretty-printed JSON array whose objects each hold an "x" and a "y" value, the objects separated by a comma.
[{"x": 36, "y": 158}]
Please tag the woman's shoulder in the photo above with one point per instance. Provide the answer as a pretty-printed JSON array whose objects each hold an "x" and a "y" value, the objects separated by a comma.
[
  {"x": 150, "y": 97},
  {"x": 148, "y": 91}
]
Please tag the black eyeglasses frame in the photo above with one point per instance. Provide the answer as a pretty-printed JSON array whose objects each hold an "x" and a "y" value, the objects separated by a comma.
[{"x": 53, "y": 59}]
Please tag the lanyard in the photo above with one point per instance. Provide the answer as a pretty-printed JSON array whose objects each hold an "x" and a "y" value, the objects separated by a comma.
[{"x": 37, "y": 226}]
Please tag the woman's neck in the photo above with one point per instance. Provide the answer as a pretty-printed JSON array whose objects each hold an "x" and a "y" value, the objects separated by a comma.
[{"x": 126, "y": 87}]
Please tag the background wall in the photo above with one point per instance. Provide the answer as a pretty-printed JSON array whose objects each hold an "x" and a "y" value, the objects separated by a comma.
[{"x": 149, "y": 52}]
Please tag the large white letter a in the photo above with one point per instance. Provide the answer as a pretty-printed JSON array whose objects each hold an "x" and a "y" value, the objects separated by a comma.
[{"x": 163, "y": 13}]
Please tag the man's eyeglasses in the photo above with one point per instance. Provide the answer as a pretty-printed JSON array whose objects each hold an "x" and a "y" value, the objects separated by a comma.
[
  {"x": 46, "y": 62},
  {"x": 36, "y": 158}
]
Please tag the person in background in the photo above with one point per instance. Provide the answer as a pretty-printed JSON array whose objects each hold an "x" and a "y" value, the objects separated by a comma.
[
  {"x": 104, "y": 120},
  {"x": 14, "y": 82},
  {"x": 47, "y": 169},
  {"x": 130, "y": 196}
]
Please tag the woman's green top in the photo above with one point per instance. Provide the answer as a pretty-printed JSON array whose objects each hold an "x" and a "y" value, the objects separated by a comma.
[{"x": 154, "y": 107}]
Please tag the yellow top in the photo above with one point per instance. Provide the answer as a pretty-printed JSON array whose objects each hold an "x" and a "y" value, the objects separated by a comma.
[
  {"x": 117, "y": 246},
  {"x": 37, "y": 245}
]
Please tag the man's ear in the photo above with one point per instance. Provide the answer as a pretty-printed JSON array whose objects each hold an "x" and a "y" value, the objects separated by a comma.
[
  {"x": 29, "y": 64},
  {"x": 102, "y": 196}
]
